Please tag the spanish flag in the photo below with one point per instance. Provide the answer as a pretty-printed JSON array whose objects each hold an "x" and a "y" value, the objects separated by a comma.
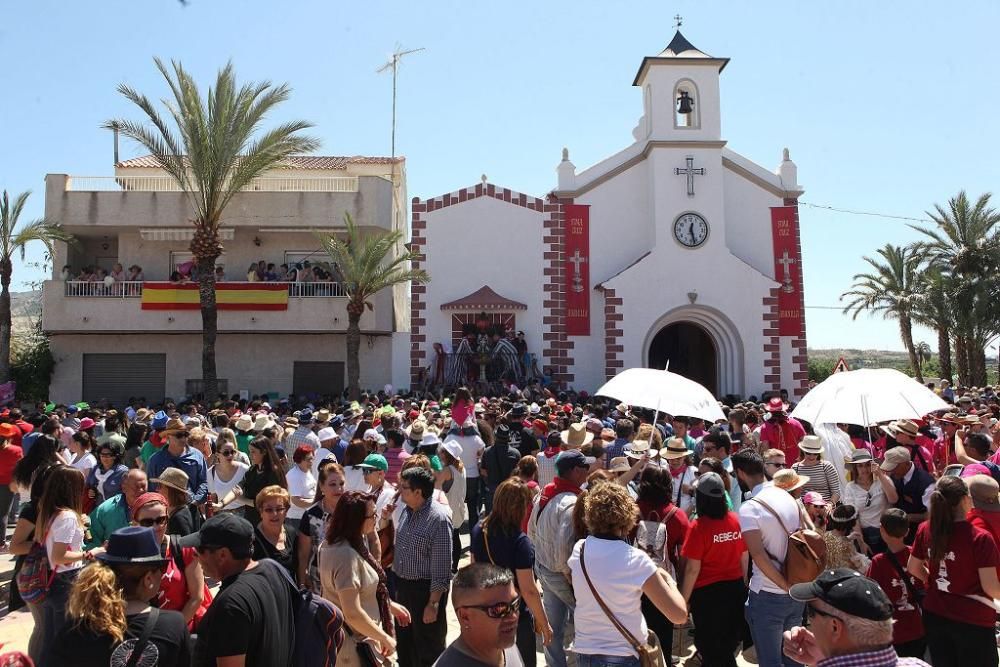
[{"x": 228, "y": 296}]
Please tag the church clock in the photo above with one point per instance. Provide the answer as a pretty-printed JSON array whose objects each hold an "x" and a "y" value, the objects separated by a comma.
[{"x": 690, "y": 230}]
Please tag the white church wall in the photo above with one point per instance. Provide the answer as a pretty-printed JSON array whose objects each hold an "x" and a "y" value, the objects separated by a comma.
[
  {"x": 484, "y": 241},
  {"x": 748, "y": 222},
  {"x": 670, "y": 199}
]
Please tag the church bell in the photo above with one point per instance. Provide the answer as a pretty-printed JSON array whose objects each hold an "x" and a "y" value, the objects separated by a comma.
[{"x": 685, "y": 104}]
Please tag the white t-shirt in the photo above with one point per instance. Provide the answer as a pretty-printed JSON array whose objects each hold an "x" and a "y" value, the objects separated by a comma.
[
  {"x": 472, "y": 448},
  {"x": 618, "y": 572},
  {"x": 546, "y": 468},
  {"x": 65, "y": 529},
  {"x": 300, "y": 484},
  {"x": 354, "y": 479},
  {"x": 753, "y": 516},
  {"x": 86, "y": 462},
  {"x": 321, "y": 454},
  {"x": 870, "y": 512},
  {"x": 221, "y": 489}
]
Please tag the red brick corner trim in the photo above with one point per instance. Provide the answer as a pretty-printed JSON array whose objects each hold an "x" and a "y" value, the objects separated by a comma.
[{"x": 613, "y": 333}]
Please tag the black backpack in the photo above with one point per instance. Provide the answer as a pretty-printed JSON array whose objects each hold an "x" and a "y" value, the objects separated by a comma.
[{"x": 319, "y": 625}]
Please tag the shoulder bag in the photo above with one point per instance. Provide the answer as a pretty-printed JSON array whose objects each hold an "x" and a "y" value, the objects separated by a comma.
[
  {"x": 650, "y": 653},
  {"x": 805, "y": 556},
  {"x": 140, "y": 645},
  {"x": 915, "y": 595}
]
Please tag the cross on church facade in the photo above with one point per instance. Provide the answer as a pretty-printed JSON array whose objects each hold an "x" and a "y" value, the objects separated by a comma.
[
  {"x": 690, "y": 171},
  {"x": 576, "y": 260},
  {"x": 786, "y": 261}
]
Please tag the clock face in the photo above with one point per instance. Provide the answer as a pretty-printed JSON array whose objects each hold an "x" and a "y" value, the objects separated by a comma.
[{"x": 690, "y": 230}]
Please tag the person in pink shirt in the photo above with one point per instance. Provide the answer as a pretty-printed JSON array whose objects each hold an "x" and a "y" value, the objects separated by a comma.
[{"x": 781, "y": 431}]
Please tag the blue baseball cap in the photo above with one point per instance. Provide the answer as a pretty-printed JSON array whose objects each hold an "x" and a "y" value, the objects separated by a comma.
[
  {"x": 573, "y": 458},
  {"x": 160, "y": 420}
]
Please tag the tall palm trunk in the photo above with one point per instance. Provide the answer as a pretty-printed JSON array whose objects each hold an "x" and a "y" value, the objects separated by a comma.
[
  {"x": 209, "y": 326},
  {"x": 979, "y": 361},
  {"x": 906, "y": 333},
  {"x": 354, "y": 312},
  {"x": 944, "y": 353},
  {"x": 961, "y": 360},
  {"x": 5, "y": 319}
]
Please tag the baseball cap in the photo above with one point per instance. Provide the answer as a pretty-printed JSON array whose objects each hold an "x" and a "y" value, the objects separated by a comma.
[
  {"x": 985, "y": 492},
  {"x": 813, "y": 498},
  {"x": 573, "y": 458},
  {"x": 222, "y": 530},
  {"x": 375, "y": 462},
  {"x": 895, "y": 457},
  {"x": 847, "y": 591},
  {"x": 711, "y": 485}
]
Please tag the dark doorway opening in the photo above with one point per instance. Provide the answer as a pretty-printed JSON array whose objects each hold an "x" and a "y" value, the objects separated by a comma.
[{"x": 690, "y": 351}]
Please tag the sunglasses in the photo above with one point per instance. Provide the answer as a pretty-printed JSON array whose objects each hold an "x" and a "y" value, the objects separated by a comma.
[
  {"x": 182, "y": 435},
  {"x": 274, "y": 510},
  {"x": 228, "y": 453},
  {"x": 106, "y": 455},
  {"x": 776, "y": 465},
  {"x": 498, "y": 610},
  {"x": 158, "y": 521},
  {"x": 812, "y": 612}
]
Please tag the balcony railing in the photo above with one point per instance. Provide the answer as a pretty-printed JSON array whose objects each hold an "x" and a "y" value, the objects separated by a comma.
[
  {"x": 168, "y": 184},
  {"x": 133, "y": 288}
]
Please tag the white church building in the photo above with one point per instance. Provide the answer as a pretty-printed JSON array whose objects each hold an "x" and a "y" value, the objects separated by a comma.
[{"x": 674, "y": 250}]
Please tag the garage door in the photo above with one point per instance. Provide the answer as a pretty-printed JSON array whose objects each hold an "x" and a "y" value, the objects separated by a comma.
[
  {"x": 116, "y": 377},
  {"x": 317, "y": 378}
]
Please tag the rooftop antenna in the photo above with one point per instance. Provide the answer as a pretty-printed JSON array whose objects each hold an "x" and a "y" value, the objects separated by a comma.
[{"x": 393, "y": 64}]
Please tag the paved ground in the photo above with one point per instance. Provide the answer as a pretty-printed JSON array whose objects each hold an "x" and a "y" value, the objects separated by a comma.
[{"x": 15, "y": 627}]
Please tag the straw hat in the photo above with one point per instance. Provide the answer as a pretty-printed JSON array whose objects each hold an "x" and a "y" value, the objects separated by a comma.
[
  {"x": 675, "y": 449},
  {"x": 619, "y": 464},
  {"x": 174, "y": 425},
  {"x": 244, "y": 423},
  {"x": 175, "y": 478},
  {"x": 811, "y": 444},
  {"x": 789, "y": 480},
  {"x": 577, "y": 436}
]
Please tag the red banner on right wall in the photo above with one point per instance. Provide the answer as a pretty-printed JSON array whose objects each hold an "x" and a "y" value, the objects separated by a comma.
[{"x": 787, "y": 269}]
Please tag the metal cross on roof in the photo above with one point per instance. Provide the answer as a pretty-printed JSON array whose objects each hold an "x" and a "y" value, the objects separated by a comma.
[
  {"x": 678, "y": 21},
  {"x": 690, "y": 172}
]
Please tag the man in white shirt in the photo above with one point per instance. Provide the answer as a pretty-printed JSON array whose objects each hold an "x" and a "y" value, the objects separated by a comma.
[
  {"x": 473, "y": 446},
  {"x": 770, "y": 611}
]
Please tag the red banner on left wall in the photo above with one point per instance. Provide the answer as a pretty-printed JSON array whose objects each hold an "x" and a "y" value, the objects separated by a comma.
[{"x": 576, "y": 269}]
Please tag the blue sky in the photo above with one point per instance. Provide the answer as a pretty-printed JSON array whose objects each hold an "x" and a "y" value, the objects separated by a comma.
[{"x": 887, "y": 107}]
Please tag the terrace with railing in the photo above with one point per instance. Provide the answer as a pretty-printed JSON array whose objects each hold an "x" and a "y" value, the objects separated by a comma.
[{"x": 133, "y": 289}]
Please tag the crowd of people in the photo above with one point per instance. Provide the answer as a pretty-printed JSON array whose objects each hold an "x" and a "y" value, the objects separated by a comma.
[
  {"x": 187, "y": 272},
  {"x": 600, "y": 531}
]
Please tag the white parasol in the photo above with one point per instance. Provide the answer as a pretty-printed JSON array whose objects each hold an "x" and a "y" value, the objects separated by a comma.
[
  {"x": 663, "y": 391},
  {"x": 865, "y": 397}
]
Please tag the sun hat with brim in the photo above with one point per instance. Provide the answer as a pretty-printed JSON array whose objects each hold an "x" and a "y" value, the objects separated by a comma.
[
  {"x": 262, "y": 423},
  {"x": 902, "y": 426},
  {"x": 430, "y": 439},
  {"x": 416, "y": 431},
  {"x": 859, "y": 456},
  {"x": 811, "y": 444},
  {"x": 86, "y": 423},
  {"x": 776, "y": 405},
  {"x": 985, "y": 492},
  {"x": 675, "y": 449},
  {"x": 174, "y": 425},
  {"x": 8, "y": 431},
  {"x": 452, "y": 447},
  {"x": 374, "y": 462},
  {"x": 244, "y": 423},
  {"x": 847, "y": 591},
  {"x": 895, "y": 457},
  {"x": 175, "y": 478},
  {"x": 619, "y": 464},
  {"x": 576, "y": 435},
  {"x": 789, "y": 480},
  {"x": 133, "y": 545}
]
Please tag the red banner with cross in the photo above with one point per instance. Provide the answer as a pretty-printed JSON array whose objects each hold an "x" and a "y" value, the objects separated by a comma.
[
  {"x": 577, "y": 269},
  {"x": 787, "y": 269}
]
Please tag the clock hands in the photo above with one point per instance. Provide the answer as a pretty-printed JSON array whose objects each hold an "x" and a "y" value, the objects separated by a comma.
[{"x": 691, "y": 232}]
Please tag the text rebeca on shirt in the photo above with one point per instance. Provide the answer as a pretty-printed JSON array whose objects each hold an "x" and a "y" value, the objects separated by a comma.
[{"x": 731, "y": 536}]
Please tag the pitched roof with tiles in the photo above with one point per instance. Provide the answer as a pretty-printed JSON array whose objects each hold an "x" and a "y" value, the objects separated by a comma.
[{"x": 315, "y": 162}]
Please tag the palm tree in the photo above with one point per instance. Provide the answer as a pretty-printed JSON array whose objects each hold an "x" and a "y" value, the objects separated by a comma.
[
  {"x": 934, "y": 310},
  {"x": 216, "y": 150},
  {"x": 369, "y": 263},
  {"x": 891, "y": 291},
  {"x": 965, "y": 245},
  {"x": 16, "y": 241},
  {"x": 924, "y": 353}
]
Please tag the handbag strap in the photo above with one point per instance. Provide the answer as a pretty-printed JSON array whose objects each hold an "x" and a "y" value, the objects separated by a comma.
[
  {"x": 607, "y": 612},
  {"x": 147, "y": 632},
  {"x": 903, "y": 575},
  {"x": 776, "y": 515},
  {"x": 486, "y": 542}
]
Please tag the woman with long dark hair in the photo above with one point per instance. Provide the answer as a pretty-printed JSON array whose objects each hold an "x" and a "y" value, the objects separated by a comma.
[
  {"x": 264, "y": 471},
  {"x": 499, "y": 540},
  {"x": 353, "y": 579},
  {"x": 81, "y": 457},
  {"x": 61, "y": 531},
  {"x": 314, "y": 523},
  {"x": 354, "y": 456},
  {"x": 716, "y": 561},
  {"x": 957, "y": 562}
]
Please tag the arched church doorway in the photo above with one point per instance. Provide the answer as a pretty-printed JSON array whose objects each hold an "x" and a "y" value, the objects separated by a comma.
[{"x": 690, "y": 351}]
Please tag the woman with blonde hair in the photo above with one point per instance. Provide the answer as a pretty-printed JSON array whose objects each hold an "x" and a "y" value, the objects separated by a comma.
[
  {"x": 604, "y": 566},
  {"x": 274, "y": 537},
  {"x": 500, "y": 540},
  {"x": 109, "y": 612}
]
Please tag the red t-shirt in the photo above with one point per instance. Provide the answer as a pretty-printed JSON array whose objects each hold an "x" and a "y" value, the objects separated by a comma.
[
  {"x": 718, "y": 544},
  {"x": 988, "y": 521},
  {"x": 785, "y": 436},
  {"x": 909, "y": 625},
  {"x": 9, "y": 456},
  {"x": 957, "y": 577},
  {"x": 174, "y": 590},
  {"x": 677, "y": 527}
]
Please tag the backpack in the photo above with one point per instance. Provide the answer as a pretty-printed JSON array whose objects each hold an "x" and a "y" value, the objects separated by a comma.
[
  {"x": 651, "y": 538},
  {"x": 806, "y": 554},
  {"x": 319, "y": 625},
  {"x": 35, "y": 575}
]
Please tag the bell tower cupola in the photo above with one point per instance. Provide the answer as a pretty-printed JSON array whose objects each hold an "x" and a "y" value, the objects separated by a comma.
[{"x": 680, "y": 92}]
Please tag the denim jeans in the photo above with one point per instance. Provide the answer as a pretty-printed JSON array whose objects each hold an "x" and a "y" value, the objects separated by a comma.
[
  {"x": 769, "y": 615},
  {"x": 559, "y": 603},
  {"x": 592, "y": 660},
  {"x": 473, "y": 499}
]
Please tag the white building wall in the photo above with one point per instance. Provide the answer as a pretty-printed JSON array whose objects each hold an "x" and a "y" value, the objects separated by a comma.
[{"x": 748, "y": 220}]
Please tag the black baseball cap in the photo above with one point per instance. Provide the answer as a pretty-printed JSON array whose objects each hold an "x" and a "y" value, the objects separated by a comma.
[
  {"x": 847, "y": 591},
  {"x": 222, "y": 530},
  {"x": 572, "y": 458}
]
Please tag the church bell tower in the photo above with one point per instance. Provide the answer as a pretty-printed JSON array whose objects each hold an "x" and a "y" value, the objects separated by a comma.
[{"x": 680, "y": 94}]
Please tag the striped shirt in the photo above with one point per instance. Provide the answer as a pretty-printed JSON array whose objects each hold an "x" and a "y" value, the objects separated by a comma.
[
  {"x": 303, "y": 435},
  {"x": 823, "y": 478},
  {"x": 423, "y": 545},
  {"x": 885, "y": 657}
]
